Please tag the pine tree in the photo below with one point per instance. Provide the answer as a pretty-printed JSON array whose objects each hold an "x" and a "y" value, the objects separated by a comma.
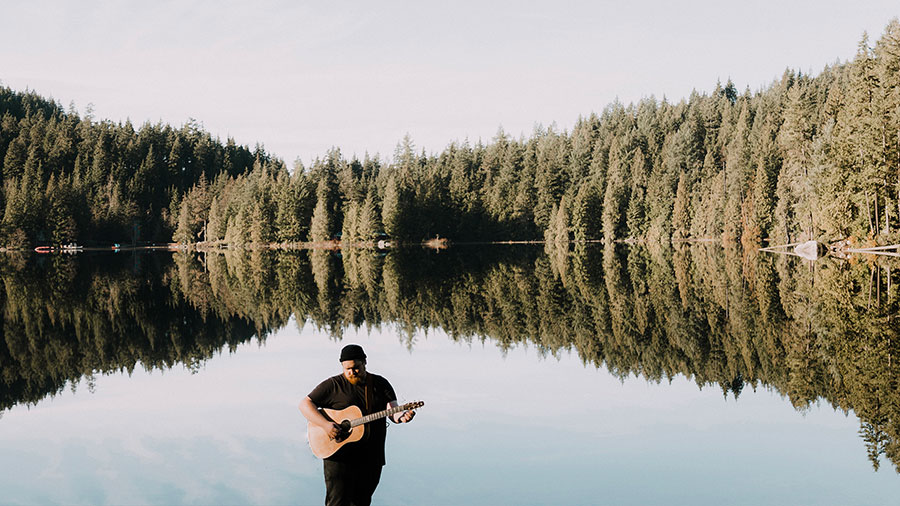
[
  {"x": 615, "y": 198},
  {"x": 551, "y": 178},
  {"x": 183, "y": 234},
  {"x": 323, "y": 225},
  {"x": 368, "y": 224},
  {"x": 681, "y": 211},
  {"x": 237, "y": 231},
  {"x": 767, "y": 165},
  {"x": 558, "y": 232},
  {"x": 737, "y": 175},
  {"x": 14, "y": 160},
  {"x": 587, "y": 223},
  {"x": 636, "y": 213},
  {"x": 393, "y": 212},
  {"x": 795, "y": 186},
  {"x": 350, "y": 229},
  {"x": 858, "y": 144},
  {"x": 215, "y": 226},
  {"x": 887, "y": 68},
  {"x": 293, "y": 208}
]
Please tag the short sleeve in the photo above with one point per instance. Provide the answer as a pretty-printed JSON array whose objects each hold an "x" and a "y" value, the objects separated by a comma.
[
  {"x": 323, "y": 392},
  {"x": 388, "y": 390}
]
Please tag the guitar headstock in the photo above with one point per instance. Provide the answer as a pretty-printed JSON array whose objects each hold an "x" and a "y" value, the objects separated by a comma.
[{"x": 413, "y": 405}]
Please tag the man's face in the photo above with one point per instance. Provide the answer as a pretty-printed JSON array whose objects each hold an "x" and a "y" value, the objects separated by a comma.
[{"x": 354, "y": 370}]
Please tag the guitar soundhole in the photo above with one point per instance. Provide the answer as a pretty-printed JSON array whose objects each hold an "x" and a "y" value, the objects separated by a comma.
[{"x": 345, "y": 431}]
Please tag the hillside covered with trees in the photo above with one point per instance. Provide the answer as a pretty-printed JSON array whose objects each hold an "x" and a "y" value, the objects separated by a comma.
[
  {"x": 809, "y": 156},
  {"x": 67, "y": 178}
]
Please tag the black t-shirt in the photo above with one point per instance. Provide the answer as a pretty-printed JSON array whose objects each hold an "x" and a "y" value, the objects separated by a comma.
[{"x": 338, "y": 393}]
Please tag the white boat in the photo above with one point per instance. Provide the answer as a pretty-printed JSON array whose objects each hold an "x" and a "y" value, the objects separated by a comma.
[{"x": 809, "y": 250}]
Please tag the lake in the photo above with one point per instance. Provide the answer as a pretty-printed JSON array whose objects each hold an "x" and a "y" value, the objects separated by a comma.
[{"x": 630, "y": 375}]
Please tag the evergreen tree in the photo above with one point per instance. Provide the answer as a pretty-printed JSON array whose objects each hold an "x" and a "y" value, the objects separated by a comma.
[
  {"x": 368, "y": 224},
  {"x": 681, "y": 212},
  {"x": 587, "y": 223},
  {"x": 323, "y": 225},
  {"x": 615, "y": 198},
  {"x": 350, "y": 230},
  {"x": 393, "y": 210},
  {"x": 183, "y": 234}
]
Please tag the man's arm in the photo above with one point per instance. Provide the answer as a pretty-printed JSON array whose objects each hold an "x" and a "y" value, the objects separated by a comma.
[
  {"x": 311, "y": 412},
  {"x": 404, "y": 417}
]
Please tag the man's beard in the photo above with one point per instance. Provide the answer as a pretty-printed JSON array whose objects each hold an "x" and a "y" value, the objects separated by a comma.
[{"x": 355, "y": 380}]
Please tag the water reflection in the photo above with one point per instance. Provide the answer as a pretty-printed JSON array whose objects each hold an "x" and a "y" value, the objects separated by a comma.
[{"x": 823, "y": 333}]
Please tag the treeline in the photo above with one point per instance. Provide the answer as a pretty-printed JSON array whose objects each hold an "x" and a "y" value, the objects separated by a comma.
[
  {"x": 67, "y": 178},
  {"x": 807, "y": 157}
]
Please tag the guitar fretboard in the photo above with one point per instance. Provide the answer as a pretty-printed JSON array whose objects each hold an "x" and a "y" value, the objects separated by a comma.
[{"x": 379, "y": 415}]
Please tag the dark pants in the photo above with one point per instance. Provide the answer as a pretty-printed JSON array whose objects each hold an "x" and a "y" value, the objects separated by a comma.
[{"x": 350, "y": 484}]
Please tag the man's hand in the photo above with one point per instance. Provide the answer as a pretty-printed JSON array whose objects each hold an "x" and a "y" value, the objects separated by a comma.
[
  {"x": 406, "y": 417},
  {"x": 312, "y": 414},
  {"x": 332, "y": 429}
]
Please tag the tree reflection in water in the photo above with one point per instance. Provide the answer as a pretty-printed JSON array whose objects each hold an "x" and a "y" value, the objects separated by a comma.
[{"x": 823, "y": 332}]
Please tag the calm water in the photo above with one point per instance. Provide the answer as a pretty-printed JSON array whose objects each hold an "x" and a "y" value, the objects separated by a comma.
[{"x": 691, "y": 376}]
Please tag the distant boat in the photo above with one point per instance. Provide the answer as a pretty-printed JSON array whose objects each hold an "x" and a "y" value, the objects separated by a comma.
[
  {"x": 71, "y": 248},
  {"x": 43, "y": 249},
  {"x": 809, "y": 250}
]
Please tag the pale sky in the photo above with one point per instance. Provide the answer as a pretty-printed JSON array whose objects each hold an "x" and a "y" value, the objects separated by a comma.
[{"x": 301, "y": 77}]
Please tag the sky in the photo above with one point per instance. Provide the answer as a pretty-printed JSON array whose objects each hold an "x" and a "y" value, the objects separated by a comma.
[{"x": 303, "y": 77}]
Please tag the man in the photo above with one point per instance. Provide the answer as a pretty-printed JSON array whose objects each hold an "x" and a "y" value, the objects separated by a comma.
[{"x": 353, "y": 472}]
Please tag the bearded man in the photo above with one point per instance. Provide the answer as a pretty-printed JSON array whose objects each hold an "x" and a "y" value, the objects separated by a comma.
[{"x": 353, "y": 472}]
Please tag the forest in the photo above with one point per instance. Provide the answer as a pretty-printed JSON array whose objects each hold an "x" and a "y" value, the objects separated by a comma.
[
  {"x": 807, "y": 157},
  {"x": 711, "y": 314},
  {"x": 66, "y": 178}
]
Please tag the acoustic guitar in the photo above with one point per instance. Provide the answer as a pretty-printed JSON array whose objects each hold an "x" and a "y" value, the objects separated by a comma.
[{"x": 353, "y": 426}]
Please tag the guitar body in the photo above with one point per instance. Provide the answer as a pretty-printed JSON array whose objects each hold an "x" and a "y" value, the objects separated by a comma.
[
  {"x": 353, "y": 423},
  {"x": 322, "y": 445}
]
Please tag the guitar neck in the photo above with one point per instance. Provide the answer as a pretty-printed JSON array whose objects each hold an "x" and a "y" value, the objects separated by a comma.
[{"x": 378, "y": 415}]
